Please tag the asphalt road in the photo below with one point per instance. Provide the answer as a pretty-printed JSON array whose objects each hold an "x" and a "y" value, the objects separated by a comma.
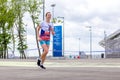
[{"x": 103, "y": 69}]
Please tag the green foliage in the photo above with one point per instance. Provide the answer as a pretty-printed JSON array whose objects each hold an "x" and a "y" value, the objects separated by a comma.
[
  {"x": 34, "y": 8},
  {"x": 22, "y": 46},
  {"x": 11, "y": 14},
  {"x": 5, "y": 38},
  {"x": 56, "y": 20},
  {"x": 7, "y": 18},
  {"x": 21, "y": 9}
]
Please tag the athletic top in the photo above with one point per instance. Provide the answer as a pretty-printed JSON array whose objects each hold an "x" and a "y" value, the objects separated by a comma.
[{"x": 45, "y": 30}]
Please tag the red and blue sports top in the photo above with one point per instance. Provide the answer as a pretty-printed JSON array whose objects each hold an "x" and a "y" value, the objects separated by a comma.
[{"x": 45, "y": 30}]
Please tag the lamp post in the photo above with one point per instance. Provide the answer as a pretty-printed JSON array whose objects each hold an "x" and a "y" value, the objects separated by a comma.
[
  {"x": 63, "y": 35},
  {"x": 105, "y": 35},
  {"x": 26, "y": 42},
  {"x": 79, "y": 47},
  {"x": 43, "y": 9},
  {"x": 90, "y": 29},
  {"x": 53, "y": 5}
]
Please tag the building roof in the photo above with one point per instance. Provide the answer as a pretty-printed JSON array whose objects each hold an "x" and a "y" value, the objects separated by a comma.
[{"x": 112, "y": 36}]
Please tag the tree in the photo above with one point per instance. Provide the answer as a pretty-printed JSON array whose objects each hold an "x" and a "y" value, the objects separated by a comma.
[
  {"x": 34, "y": 8},
  {"x": 7, "y": 18},
  {"x": 11, "y": 11},
  {"x": 20, "y": 10}
]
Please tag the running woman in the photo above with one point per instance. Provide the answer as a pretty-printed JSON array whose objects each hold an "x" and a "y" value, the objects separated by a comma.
[{"x": 43, "y": 36}]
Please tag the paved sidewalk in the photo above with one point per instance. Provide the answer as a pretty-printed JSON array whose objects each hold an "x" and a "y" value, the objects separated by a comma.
[{"x": 83, "y": 69}]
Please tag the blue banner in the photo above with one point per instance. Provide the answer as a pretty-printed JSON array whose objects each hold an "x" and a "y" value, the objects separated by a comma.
[{"x": 57, "y": 42}]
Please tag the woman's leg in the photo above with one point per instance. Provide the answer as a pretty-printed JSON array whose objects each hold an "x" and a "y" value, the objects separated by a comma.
[{"x": 45, "y": 52}]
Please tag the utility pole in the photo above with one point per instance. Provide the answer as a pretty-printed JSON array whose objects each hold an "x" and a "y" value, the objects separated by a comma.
[
  {"x": 90, "y": 29},
  {"x": 105, "y": 40},
  {"x": 43, "y": 10},
  {"x": 53, "y": 5}
]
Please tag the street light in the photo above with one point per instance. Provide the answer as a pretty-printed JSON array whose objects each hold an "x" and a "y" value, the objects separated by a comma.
[
  {"x": 90, "y": 29},
  {"x": 105, "y": 40},
  {"x": 43, "y": 9},
  {"x": 63, "y": 34},
  {"x": 53, "y": 5},
  {"x": 26, "y": 41},
  {"x": 79, "y": 47}
]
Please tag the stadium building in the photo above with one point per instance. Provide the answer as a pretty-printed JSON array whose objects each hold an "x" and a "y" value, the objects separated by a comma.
[{"x": 111, "y": 44}]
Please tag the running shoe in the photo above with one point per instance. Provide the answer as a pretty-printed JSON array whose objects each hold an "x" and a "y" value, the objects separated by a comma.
[
  {"x": 38, "y": 62},
  {"x": 42, "y": 66}
]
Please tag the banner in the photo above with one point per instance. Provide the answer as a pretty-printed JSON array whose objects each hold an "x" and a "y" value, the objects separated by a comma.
[{"x": 57, "y": 42}]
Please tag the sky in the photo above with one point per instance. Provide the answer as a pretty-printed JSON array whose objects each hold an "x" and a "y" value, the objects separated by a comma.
[{"x": 101, "y": 15}]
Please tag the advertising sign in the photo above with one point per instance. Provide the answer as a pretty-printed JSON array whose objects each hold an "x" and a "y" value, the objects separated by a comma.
[{"x": 57, "y": 42}]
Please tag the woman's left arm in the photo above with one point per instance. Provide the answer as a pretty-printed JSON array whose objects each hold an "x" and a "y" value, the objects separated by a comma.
[{"x": 52, "y": 30}]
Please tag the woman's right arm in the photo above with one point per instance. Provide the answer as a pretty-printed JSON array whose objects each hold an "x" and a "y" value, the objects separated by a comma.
[{"x": 38, "y": 30}]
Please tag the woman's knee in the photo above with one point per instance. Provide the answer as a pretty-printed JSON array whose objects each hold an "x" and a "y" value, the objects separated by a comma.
[{"x": 46, "y": 51}]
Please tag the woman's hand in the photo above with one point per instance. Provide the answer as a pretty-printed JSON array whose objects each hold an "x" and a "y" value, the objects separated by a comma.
[
  {"x": 53, "y": 32},
  {"x": 39, "y": 39}
]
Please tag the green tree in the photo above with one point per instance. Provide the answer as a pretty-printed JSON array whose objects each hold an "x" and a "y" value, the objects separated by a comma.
[
  {"x": 22, "y": 46},
  {"x": 7, "y": 18},
  {"x": 34, "y": 8}
]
